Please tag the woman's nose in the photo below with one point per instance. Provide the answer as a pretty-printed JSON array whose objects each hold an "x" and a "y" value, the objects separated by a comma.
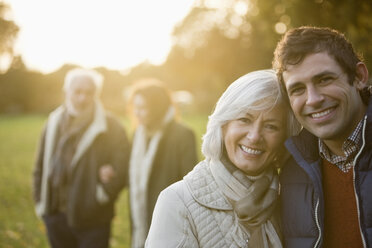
[{"x": 254, "y": 134}]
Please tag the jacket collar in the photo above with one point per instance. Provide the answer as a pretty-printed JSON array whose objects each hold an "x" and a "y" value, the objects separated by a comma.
[
  {"x": 305, "y": 144},
  {"x": 204, "y": 189},
  {"x": 97, "y": 126}
]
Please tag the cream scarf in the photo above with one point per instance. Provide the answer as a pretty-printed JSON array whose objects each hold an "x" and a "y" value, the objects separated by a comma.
[
  {"x": 253, "y": 200},
  {"x": 140, "y": 167}
]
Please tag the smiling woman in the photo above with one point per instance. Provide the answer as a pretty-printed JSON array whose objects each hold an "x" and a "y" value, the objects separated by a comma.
[
  {"x": 235, "y": 188},
  {"x": 108, "y": 33}
]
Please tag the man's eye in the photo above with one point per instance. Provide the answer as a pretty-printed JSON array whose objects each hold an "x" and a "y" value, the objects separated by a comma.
[
  {"x": 297, "y": 91},
  {"x": 325, "y": 80}
]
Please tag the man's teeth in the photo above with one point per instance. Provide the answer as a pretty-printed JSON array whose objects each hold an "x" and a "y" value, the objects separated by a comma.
[
  {"x": 321, "y": 114},
  {"x": 251, "y": 151}
]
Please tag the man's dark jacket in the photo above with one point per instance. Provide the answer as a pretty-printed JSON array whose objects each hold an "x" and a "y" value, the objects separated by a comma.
[
  {"x": 104, "y": 142},
  {"x": 302, "y": 202}
]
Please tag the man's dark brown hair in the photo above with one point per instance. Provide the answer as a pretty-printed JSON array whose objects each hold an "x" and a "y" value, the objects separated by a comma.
[{"x": 297, "y": 43}]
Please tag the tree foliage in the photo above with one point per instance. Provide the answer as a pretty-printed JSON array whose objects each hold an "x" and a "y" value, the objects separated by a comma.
[
  {"x": 8, "y": 31},
  {"x": 221, "y": 40},
  {"x": 217, "y": 42}
]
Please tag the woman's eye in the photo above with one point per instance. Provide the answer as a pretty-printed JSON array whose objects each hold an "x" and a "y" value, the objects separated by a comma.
[
  {"x": 272, "y": 127},
  {"x": 244, "y": 120}
]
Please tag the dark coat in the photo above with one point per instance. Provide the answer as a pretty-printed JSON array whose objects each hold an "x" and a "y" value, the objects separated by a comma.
[
  {"x": 175, "y": 157},
  {"x": 110, "y": 146},
  {"x": 302, "y": 200}
]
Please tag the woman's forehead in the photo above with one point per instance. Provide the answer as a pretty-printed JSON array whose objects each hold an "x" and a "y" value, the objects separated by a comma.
[{"x": 275, "y": 112}]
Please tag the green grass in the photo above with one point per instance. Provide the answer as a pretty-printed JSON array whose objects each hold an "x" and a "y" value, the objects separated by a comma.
[{"x": 19, "y": 226}]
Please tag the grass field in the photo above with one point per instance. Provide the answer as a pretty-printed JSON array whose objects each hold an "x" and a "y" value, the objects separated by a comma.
[{"x": 19, "y": 226}]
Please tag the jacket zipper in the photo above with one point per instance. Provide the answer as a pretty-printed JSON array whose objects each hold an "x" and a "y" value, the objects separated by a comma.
[
  {"x": 317, "y": 224},
  {"x": 356, "y": 196}
]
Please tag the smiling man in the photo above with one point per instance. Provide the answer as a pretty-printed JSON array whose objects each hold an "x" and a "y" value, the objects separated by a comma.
[{"x": 327, "y": 184}]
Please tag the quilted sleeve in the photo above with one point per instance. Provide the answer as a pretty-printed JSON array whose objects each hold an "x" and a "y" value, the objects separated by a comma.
[{"x": 171, "y": 224}]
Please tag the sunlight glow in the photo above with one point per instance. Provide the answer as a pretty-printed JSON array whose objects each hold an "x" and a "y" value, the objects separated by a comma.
[
  {"x": 241, "y": 8},
  {"x": 280, "y": 28},
  {"x": 116, "y": 34}
]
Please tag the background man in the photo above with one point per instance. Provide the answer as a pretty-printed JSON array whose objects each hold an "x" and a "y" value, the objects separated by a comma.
[
  {"x": 81, "y": 166},
  {"x": 327, "y": 185}
]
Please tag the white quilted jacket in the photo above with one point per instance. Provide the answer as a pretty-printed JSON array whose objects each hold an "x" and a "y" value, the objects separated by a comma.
[{"x": 195, "y": 213}]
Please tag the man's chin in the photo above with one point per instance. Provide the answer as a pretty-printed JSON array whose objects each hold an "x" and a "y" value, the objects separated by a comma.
[{"x": 327, "y": 134}]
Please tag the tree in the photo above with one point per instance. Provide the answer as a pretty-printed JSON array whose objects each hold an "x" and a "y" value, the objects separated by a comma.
[
  {"x": 8, "y": 34},
  {"x": 218, "y": 41}
]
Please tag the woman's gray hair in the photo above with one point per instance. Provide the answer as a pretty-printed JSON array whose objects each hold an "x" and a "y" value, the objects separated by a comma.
[
  {"x": 258, "y": 91},
  {"x": 96, "y": 77}
]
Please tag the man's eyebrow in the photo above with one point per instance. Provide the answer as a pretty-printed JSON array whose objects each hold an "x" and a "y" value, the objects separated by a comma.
[
  {"x": 322, "y": 74},
  {"x": 314, "y": 78}
]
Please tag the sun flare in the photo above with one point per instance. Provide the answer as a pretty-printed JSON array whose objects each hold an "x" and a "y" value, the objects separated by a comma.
[{"x": 110, "y": 33}]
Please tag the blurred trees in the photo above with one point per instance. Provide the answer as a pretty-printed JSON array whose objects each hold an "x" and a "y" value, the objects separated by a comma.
[
  {"x": 219, "y": 41},
  {"x": 8, "y": 32},
  {"x": 9, "y": 94},
  {"x": 24, "y": 91}
]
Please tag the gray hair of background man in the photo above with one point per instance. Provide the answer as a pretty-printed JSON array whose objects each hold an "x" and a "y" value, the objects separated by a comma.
[
  {"x": 96, "y": 77},
  {"x": 255, "y": 91}
]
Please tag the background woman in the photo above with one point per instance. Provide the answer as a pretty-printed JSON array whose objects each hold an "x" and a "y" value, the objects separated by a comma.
[
  {"x": 163, "y": 151},
  {"x": 229, "y": 199}
]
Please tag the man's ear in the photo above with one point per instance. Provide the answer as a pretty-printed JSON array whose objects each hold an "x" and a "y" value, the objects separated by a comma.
[
  {"x": 361, "y": 79},
  {"x": 361, "y": 82}
]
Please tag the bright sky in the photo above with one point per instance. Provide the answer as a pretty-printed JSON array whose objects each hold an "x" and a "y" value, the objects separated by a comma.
[{"x": 116, "y": 34}]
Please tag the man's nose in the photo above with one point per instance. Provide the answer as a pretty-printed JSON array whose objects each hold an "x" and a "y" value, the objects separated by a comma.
[{"x": 314, "y": 97}]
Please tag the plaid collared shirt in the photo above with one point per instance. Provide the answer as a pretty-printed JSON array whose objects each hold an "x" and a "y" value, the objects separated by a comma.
[{"x": 350, "y": 148}]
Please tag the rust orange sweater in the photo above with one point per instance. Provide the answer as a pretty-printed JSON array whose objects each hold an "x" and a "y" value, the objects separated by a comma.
[{"x": 341, "y": 224}]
